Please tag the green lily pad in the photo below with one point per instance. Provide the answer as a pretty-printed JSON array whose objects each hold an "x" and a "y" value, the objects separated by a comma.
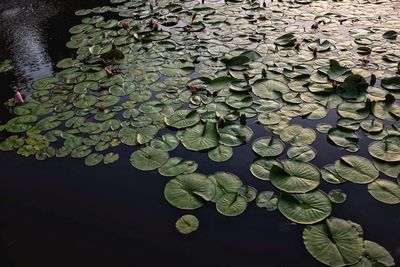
[
  {"x": 110, "y": 158},
  {"x": 261, "y": 168},
  {"x": 231, "y": 204},
  {"x": 375, "y": 255},
  {"x": 235, "y": 135},
  {"x": 189, "y": 191},
  {"x": 148, "y": 159},
  {"x": 387, "y": 150},
  {"x": 305, "y": 208},
  {"x": 268, "y": 147},
  {"x": 225, "y": 182},
  {"x": 269, "y": 89},
  {"x": 267, "y": 200},
  {"x": 295, "y": 176},
  {"x": 220, "y": 153},
  {"x": 177, "y": 166},
  {"x": 385, "y": 191},
  {"x": 356, "y": 169},
  {"x": 93, "y": 159},
  {"x": 345, "y": 139},
  {"x": 200, "y": 137},
  {"x": 296, "y": 135},
  {"x": 182, "y": 119},
  {"x": 168, "y": 142},
  {"x": 301, "y": 153},
  {"x": 337, "y": 196},
  {"x": 392, "y": 83},
  {"x": 187, "y": 224},
  {"x": 335, "y": 242}
]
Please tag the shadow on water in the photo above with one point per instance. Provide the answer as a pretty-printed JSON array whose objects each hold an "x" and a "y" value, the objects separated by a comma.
[{"x": 62, "y": 213}]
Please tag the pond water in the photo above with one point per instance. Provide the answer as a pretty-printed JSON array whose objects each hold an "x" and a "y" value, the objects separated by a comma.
[{"x": 59, "y": 212}]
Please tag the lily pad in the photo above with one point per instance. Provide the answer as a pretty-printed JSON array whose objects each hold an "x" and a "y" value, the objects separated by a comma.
[
  {"x": 356, "y": 169},
  {"x": 177, "y": 166},
  {"x": 220, "y": 153},
  {"x": 385, "y": 191},
  {"x": 189, "y": 191},
  {"x": 337, "y": 196},
  {"x": 200, "y": 137},
  {"x": 305, "y": 208},
  {"x": 295, "y": 176},
  {"x": 267, "y": 200},
  {"x": 148, "y": 159},
  {"x": 387, "y": 150},
  {"x": 268, "y": 147},
  {"x": 187, "y": 224},
  {"x": 335, "y": 242},
  {"x": 296, "y": 135}
]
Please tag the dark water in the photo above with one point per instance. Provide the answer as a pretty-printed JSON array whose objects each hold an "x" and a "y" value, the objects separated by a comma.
[{"x": 60, "y": 213}]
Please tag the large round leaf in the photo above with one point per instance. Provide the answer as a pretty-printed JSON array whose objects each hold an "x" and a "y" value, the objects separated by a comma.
[
  {"x": 387, "y": 150},
  {"x": 235, "y": 135},
  {"x": 148, "y": 159},
  {"x": 220, "y": 153},
  {"x": 268, "y": 147},
  {"x": 269, "y": 89},
  {"x": 356, "y": 169},
  {"x": 177, "y": 166},
  {"x": 296, "y": 135},
  {"x": 335, "y": 243},
  {"x": 231, "y": 204},
  {"x": 200, "y": 137},
  {"x": 267, "y": 200},
  {"x": 189, "y": 191},
  {"x": 261, "y": 168},
  {"x": 167, "y": 142},
  {"x": 295, "y": 176},
  {"x": 375, "y": 255},
  {"x": 385, "y": 191},
  {"x": 182, "y": 119},
  {"x": 225, "y": 182},
  {"x": 306, "y": 208}
]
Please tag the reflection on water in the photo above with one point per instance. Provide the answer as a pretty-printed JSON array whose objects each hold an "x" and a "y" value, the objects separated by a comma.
[{"x": 23, "y": 23}]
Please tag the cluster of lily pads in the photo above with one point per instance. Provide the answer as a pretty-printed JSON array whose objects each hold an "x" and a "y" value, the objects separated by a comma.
[{"x": 211, "y": 71}]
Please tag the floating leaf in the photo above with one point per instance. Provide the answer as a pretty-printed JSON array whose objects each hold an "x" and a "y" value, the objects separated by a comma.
[
  {"x": 335, "y": 242},
  {"x": 231, "y": 204},
  {"x": 200, "y": 137},
  {"x": 296, "y": 135},
  {"x": 110, "y": 158},
  {"x": 189, "y": 191},
  {"x": 337, "y": 196},
  {"x": 295, "y": 176},
  {"x": 301, "y": 153},
  {"x": 268, "y": 147},
  {"x": 148, "y": 159},
  {"x": 94, "y": 159},
  {"x": 168, "y": 142},
  {"x": 235, "y": 135},
  {"x": 387, "y": 150},
  {"x": 261, "y": 168},
  {"x": 356, "y": 169},
  {"x": 306, "y": 208},
  {"x": 220, "y": 153},
  {"x": 177, "y": 166},
  {"x": 375, "y": 255},
  {"x": 268, "y": 200},
  {"x": 187, "y": 224},
  {"x": 182, "y": 119},
  {"x": 385, "y": 191}
]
